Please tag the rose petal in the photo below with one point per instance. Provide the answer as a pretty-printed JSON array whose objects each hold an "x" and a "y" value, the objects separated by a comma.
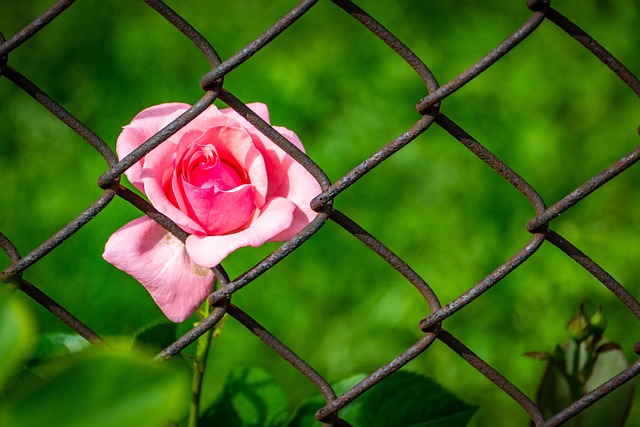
[
  {"x": 257, "y": 107},
  {"x": 289, "y": 179},
  {"x": 143, "y": 126},
  {"x": 213, "y": 117},
  {"x": 275, "y": 217},
  {"x": 300, "y": 220},
  {"x": 291, "y": 136},
  {"x": 172, "y": 181},
  {"x": 159, "y": 261},
  {"x": 220, "y": 212},
  {"x": 154, "y": 175},
  {"x": 281, "y": 167}
]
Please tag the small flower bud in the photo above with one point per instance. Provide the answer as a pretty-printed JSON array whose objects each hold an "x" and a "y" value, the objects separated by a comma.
[
  {"x": 598, "y": 321},
  {"x": 579, "y": 327}
]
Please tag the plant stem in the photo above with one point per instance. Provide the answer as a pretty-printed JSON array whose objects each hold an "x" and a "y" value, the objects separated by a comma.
[
  {"x": 199, "y": 365},
  {"x": 575, "y": 365},
  {"x": 575, "y": 382}
]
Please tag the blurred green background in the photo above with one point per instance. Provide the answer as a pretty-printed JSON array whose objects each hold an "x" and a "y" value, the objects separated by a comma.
[{"x": 549, "y": 109}]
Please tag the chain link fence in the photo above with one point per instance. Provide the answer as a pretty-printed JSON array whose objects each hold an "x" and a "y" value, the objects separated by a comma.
[{"x": 429, "y": 115}]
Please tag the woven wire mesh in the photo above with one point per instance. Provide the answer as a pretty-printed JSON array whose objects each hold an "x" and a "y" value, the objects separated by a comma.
[{"x": 429, "y": 114}]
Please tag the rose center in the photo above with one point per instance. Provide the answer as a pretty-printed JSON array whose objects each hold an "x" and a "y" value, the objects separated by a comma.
[
  {"x": 205, "y": 169},
  {"x": 213, "y": 189}
]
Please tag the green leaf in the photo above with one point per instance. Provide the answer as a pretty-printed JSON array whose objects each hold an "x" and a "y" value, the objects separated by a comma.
[
  {"x": 404, "y": 399},
  {"x": 304, "y": 415},
  {"x": 17, "y": 335},
  {"x": 156, "y": 336},
  {"x": 554, "y": 393},
  {"x": 102, "y": 388},
  {"x": 613, "y": 409},
  {"x": 250, "y": 398},
  {"x": 59, "y": 344}
]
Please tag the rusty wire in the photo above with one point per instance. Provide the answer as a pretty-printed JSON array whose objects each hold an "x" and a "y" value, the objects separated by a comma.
[{"x": 428, "y": 106}]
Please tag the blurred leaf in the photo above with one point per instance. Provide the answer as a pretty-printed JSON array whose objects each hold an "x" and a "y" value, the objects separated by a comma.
[
  {"x": 17, "y": 333},
  {"x": 554, "y": 393},
  {"x": 156, "y": 335},
  {"x": 405, "y": 399},
  {"x": 613, "y": 409},
  {"x": 250, "y": 398},
  {"x": 103, "y": 388},
  {"x": 59, "y": 344}
]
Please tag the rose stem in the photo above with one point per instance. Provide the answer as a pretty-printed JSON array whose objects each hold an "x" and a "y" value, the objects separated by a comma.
[{"x": 199, "y": 365}]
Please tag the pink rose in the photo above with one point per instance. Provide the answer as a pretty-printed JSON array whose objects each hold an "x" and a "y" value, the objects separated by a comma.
[{"x": 221, "y": 181}]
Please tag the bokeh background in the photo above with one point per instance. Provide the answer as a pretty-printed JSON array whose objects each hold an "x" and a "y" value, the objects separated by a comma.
[{"x": 549, "y": 109}]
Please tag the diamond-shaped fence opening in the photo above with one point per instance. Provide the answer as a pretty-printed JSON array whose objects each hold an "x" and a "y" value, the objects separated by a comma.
[{"x": 475, "y": 179}]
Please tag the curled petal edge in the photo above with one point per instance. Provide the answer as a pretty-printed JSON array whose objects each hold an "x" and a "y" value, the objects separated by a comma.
[
  {"x": 274, "y": 219},
  {"x": 159, "y": 261}
]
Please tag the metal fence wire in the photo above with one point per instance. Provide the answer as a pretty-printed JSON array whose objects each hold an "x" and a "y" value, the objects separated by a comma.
[{"x": 428, "y": 109}]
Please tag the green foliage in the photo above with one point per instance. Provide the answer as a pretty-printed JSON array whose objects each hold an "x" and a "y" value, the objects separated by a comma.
[
  {"x": 156, "y": 336},
  {"x": 17, "y": 334},
  {"x": 58, "y": 344},
  {"x": 252, "y": 398},
  {"x": 102, "y": 387},
  {"x": 581, "y": 365},
  {"x": 407, "y": 399},
  {"x": 304, "y": 414},
  {"x": 555, "y": 391}
]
